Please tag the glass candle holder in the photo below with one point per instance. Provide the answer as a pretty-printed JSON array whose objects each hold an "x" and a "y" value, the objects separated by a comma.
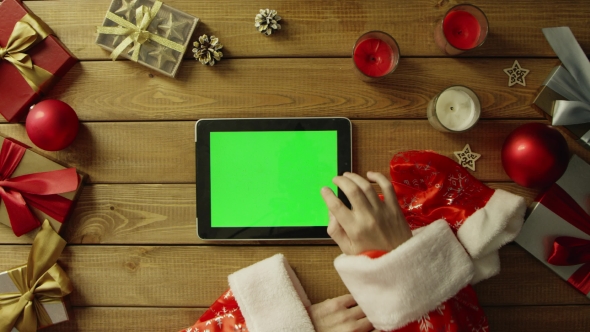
[
  {"x": 455, "y": 109},
  {"x": 463, "y": 28},
  {"x": 375, "y": 55}
]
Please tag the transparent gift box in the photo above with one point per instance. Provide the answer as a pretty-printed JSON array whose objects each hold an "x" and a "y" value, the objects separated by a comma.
[{"x": 161, "y": 42}]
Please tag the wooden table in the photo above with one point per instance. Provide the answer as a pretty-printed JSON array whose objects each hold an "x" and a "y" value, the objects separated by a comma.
[{"x": 133, "y": 255}]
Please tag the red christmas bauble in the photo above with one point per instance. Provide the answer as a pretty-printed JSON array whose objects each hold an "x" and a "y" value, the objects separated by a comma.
[
  {"x": 535, "y": 155},
  {"x": 52, "y": 125}
]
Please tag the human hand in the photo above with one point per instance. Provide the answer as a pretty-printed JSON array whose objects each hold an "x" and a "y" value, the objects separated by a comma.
[
  {"x": 340, "y": 314},
  {"x": 372, "y": 224}
]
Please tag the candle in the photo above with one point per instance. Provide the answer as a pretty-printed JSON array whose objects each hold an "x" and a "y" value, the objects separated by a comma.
[
  {"x": 464, "y": 27},
  {"x": 461, "y": 29},
  {"x": 375, "y": 55},
  {"x": 455, "y": 109}
]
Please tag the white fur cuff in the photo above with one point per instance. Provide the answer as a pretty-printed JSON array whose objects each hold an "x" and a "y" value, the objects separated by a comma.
[
  {"x": 270, "y": 297},
  {"x": 496, "y": 224},
  {"x": 410, "y": 281},
  {"x": 486, "y": 267}
]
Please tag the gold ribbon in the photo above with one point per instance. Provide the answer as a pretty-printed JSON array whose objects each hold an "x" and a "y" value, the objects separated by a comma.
[
  {"x": 137, "y": 34},
  {"x": 40, "y": 281},
  {"x": 27, "y": 32}
]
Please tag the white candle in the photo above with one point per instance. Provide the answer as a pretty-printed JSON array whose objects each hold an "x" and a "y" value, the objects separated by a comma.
[{"x": 455, "y": 109}]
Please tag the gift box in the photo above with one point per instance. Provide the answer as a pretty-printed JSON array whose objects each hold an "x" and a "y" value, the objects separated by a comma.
[
  {"x": 31, "y": 59},
  {"x": 148, "y": 32},
  {"x": 557, "y": 232},
  {"x": 34, "y": 188},
  {"x": 32, "y": 296},
  {"x": 564, "y": 96}
]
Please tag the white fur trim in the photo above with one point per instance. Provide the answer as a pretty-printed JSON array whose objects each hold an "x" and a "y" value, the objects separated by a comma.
[
  {"x": 270, "y": 297},
  {"x": 486, "y": 267},
  {"x": 410, "y": 281},
  {"x": 496, "y": 224}
]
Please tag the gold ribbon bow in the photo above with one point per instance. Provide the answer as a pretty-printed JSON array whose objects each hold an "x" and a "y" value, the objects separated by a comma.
[
  {"x": 40, "y": 281},
  {"x": 137, "y": 33},
  {"x": 27, "y": 32}
]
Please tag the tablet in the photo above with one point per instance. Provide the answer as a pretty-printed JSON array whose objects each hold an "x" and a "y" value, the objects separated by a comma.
[{"x": 260, "y": 179}]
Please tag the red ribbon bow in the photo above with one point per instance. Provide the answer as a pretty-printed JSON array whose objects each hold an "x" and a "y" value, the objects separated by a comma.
[
  {"x": 38, "y": 190},
  {"x": 570, "y": 250}
]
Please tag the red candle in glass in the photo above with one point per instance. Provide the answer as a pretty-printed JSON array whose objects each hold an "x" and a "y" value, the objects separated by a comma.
[
  {"x": 461, "y": 29},
  {"x": 464, "y": 27},
  {"x": 375, "y": 55}
]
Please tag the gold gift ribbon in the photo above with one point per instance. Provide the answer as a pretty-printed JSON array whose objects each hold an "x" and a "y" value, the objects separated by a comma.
[
  {"x": 27, "y": 32},
  {"x": 40, "y": 281},
  {"x": 137, "y": 34}
]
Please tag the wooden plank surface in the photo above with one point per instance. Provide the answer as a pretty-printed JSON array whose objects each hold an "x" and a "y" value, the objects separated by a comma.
[
  {"x": 163, "y": 152},
  {"x": 330, "y": 28},
  {"x": 194, "y": 276},
  {"x": 292, "y": 87}
]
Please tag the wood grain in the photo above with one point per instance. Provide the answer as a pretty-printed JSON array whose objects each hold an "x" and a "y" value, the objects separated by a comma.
[
  {"x": 126, "y": 91},
  {"x": 330, "y": 28},
  {"x": 124, "y": 319},
  {"x": 151, "y": 214},
  {"x": 194, "y": 276},
  {"x": 534, "y": 319},
  {"x": 163, "y": 152},
  {"x": 505, "y": 319}
]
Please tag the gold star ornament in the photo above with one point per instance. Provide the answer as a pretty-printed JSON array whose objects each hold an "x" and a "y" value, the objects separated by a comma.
[
  {"x": 516, "y": 74},
  {"x": 467, "y": 157}
]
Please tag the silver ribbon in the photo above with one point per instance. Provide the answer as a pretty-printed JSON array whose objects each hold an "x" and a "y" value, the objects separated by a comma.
[{"x": 573, "y": 83}]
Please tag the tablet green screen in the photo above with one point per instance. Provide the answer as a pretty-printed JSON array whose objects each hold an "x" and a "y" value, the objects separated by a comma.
[{"x": 271, "y": 178}]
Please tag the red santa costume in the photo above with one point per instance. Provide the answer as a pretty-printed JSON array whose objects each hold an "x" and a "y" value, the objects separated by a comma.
[{"x": 458, "y": 225}]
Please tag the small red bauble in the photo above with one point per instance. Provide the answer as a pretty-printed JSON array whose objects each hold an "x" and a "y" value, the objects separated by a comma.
[
  {"x": 52, "y": 125},
  {"x": 535, "y": 155}
]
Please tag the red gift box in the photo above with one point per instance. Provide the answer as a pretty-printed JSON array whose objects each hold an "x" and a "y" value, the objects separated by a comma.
[
  {"x": 49, "y": 54},
  {"x": 34, "y": 188}
]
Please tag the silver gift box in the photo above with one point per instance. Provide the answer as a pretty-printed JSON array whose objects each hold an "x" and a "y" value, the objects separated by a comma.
[
  {"x": 547, "y": 96},
  {"x": 543, "y": 226}
]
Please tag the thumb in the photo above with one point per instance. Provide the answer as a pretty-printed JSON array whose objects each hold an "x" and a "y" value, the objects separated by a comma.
[{"x": 338, "y": 234}]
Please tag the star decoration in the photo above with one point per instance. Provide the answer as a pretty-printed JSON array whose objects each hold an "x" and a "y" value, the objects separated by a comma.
[
  {"x": 516, "y": 74},
  {"x": 126, "y": 9},
  {"x": 155, "y": 24},
  {"x": 146, "y": 49},
  {"x": 173, "y": 28},
  {"x": 163, "y": 55},
  {"x": 467, "y": 157}
]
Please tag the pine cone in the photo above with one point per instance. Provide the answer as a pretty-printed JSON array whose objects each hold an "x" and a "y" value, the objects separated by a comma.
[
  {"x": 207, "y": 51},
  {"x": 266, "y": 21}
]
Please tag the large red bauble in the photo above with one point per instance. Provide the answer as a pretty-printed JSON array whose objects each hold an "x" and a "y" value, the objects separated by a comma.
[
  {"x": 535, "y": 155},
  {"x": 52, "y": 125}
]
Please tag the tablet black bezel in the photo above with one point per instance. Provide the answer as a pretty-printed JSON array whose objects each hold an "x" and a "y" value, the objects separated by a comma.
[{"x": 204, "y": 127}]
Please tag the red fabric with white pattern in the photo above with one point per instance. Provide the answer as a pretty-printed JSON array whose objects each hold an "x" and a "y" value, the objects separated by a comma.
[
  {"x": 223, "y": 316},
  {"x": 430, "y": 187}
]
